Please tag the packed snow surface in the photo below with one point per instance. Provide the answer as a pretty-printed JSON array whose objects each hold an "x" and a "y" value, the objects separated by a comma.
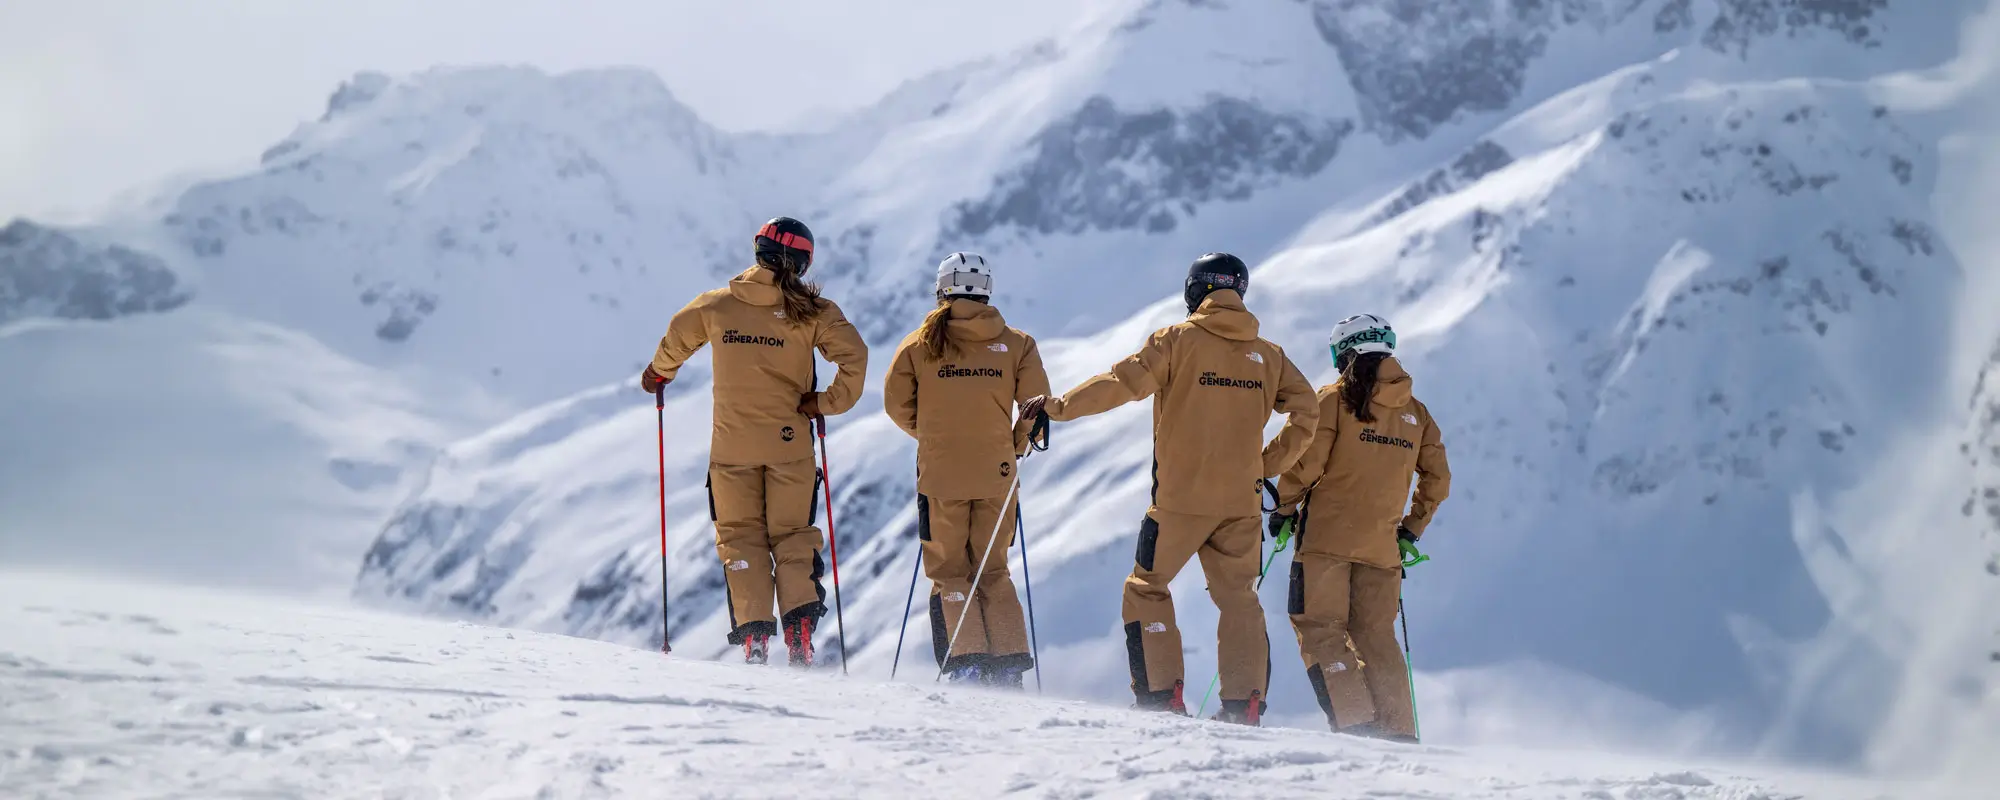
[{"x": 135, "y": 690}]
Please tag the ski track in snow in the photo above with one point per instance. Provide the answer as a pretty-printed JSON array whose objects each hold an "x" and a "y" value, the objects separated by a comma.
[{"x": 124, "y": 690}]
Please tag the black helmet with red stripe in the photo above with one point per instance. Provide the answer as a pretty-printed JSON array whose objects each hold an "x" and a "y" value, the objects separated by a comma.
[{"x": 785, "y": 243}]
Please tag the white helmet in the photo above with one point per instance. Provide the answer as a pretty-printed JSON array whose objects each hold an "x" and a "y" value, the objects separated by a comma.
[
  {"x": 1361, "y": 333},
  {"x": 964, "y": 275}
]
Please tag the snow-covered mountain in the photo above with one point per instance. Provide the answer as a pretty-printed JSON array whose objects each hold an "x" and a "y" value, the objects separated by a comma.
[
  {"x": 136, "y": 691},
  {"x": 1678, "y": 279}
]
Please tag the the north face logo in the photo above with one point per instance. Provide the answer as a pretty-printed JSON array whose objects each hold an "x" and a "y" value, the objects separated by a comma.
[
  {"x": 1257, "y": 357},
  {"x": 997, "y": 347},
  {"x": 1410, "y": 418}
]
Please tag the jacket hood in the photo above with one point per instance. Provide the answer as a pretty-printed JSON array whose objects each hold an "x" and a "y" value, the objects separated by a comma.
[
  {"x": 1223, "y": 314},
  {"x": 973, "y": 321},
  {"x": 756, "y": 286},
  {"x": 1392, "y": 385}
]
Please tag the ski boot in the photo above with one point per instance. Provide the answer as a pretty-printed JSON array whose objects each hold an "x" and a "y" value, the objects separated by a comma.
[
  {"x": 1168, "y": 700},
  {"x": 1372, "y": 730},
  {"x": 757, "y": 648},
  {"x": 798, "y": 642},
  {"x": 1006, "y": 677},
  {"x": 969, "y": 673},
  {"x": 1243, "y": 712}
]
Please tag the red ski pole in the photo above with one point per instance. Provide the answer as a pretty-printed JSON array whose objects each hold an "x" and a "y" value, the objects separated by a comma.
[
  {"x": 666, "y": 621},
  {"x": 832, "y": 540}
]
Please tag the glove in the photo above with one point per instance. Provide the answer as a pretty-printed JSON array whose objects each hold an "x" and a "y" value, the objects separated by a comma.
[
  {"x": 1033, "y": 407},
  {"x": 652, "y": 383},
  {"x": 1404, "y": 535},
  {"x": 809, "y": 405},
  {"x": 1281, "y": 527}
]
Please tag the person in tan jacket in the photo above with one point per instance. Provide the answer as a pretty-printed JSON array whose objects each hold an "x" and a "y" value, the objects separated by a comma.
[
  {"x": 762, "y": 486},
  {"x": 953, "y": 385},
  {"x": 1214, "y": 384},
  {"x": 1347, "y": 576}
]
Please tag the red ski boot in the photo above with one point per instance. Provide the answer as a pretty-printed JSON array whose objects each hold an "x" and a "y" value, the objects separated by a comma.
[
  {"x": 798, "y": 642},
  {"x": 1168, "y": 700},
  {"x": 1243, "y": 712},
  {"x": 756, "y": 648}
]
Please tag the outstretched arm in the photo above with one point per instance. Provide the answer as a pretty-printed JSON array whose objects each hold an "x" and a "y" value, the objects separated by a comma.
[
  {"x": 1433, "y": 479},
  {"x": 1300, "y": 406},
  {"x": 1135, "y": 378},
  {"x": 841, "y": 344}
]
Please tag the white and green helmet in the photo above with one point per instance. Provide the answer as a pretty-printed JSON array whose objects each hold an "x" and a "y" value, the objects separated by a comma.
[{"x": 1361, "y": 333}]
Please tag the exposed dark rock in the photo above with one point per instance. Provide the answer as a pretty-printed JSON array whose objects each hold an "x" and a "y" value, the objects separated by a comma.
[
  {"x": 1740, "y": 21},
  {"x": 48, "y": 273},
  {"x": 1105, "y": 168},
  {"x": 1478, "y": 161}
]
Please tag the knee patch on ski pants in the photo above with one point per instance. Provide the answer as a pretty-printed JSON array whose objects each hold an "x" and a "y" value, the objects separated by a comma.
[
  {"x": 767, "y": 543},
  {"x": 1228, "y": 548},
  {"x": 955, "y": 536}
]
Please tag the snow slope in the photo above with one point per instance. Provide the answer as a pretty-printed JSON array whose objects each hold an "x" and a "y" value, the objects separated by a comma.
[
  {"x": 1641, "y": 250},
  {"x": 1646, "y": 305},
  {"x": 144, "y": 690},
  {"x": 204, "y": 446}
]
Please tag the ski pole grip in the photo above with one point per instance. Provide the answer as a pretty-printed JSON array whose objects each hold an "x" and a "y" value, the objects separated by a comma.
[
  {"x": 660, "y": 397},
  {"x": 819, "y": 426},
  {"x": 1038, "y": 434}
]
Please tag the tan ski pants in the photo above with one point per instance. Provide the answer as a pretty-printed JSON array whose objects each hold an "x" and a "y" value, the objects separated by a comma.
[
  {"x": 1345, "y": 616},
  {"x": 955, "y": 535},
  {"x": 1229, "y": 551},
  {"x": 765, "y": 536}
]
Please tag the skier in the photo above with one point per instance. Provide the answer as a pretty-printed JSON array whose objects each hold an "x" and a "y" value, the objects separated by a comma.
[
  {"x": 761, "y": 481},
  {"x": 1214, "y": 384},
  {"x": 1347, "y": 572},
  {"x": 953, "y": 385}
]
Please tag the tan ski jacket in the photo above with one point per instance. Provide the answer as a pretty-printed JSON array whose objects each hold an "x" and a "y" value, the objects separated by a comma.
[
  {"x": 1217, "y": 384},
  {"x": 1355, "y": 478},
  {"x": 961, "y": 408},
  {"x": 763, "y": 366}
]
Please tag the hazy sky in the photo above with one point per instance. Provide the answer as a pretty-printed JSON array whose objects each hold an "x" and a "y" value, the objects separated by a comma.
[{"x": 98, "y": 96}]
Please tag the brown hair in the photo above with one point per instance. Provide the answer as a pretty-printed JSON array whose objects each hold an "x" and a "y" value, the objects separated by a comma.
[
  {"x": 1357, "y": 384},
  {"x": 933, "y": 333},
  {"x": 802, "y": 301}
]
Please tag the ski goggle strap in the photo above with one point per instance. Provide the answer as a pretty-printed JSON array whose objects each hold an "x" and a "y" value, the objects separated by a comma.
[
  {"x": 970, "y": 280},
  {"x": 1352, "y": 340},
  {"x": 1222, "y": 280},
  {"x": 791, "y": 240}
]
